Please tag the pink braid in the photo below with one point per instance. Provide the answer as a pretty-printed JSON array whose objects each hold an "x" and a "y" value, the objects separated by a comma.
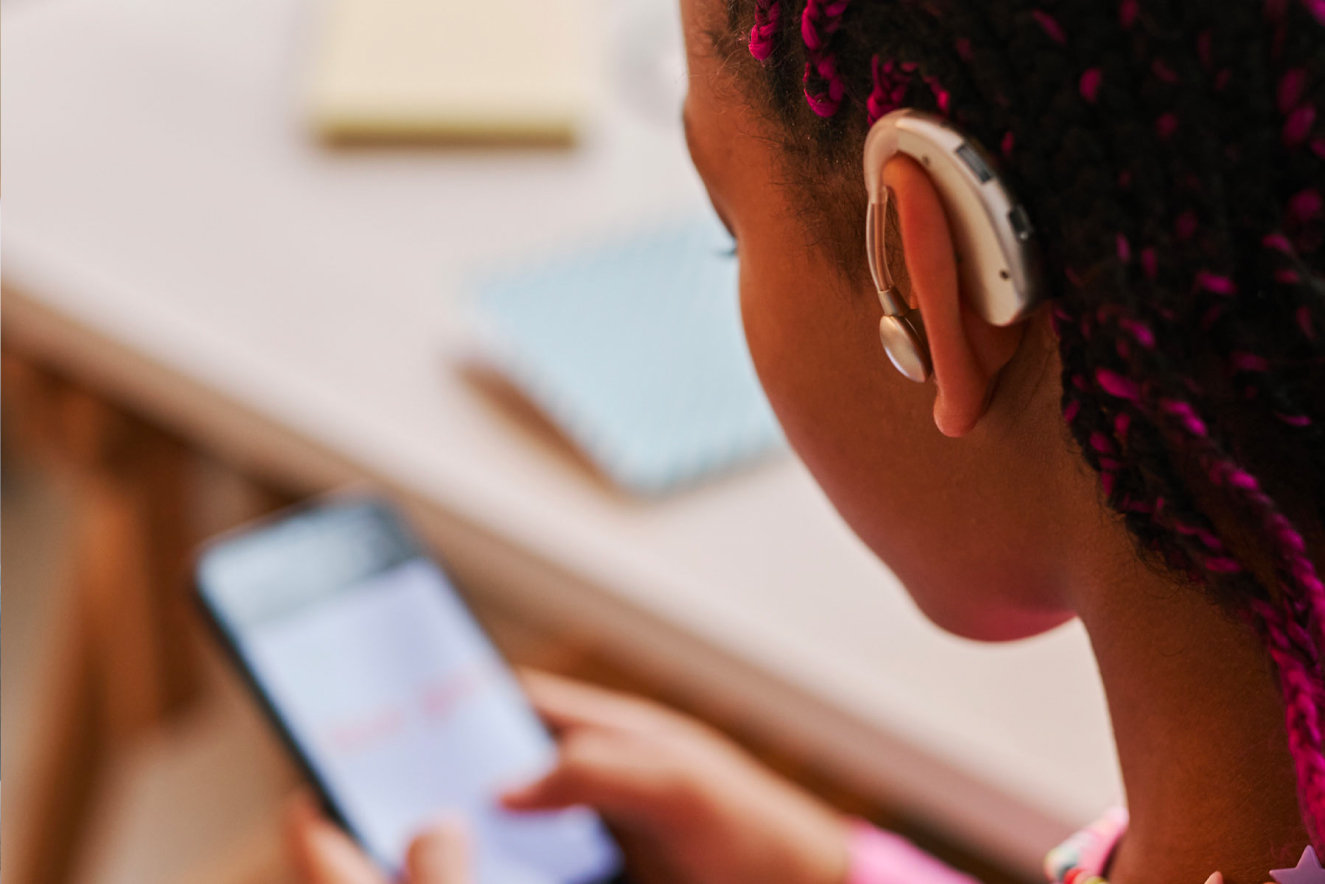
[
  {"x": 1297, "y": 665},
  {"x": 819, "y": 21},
  {"x": 1291, "y": 647},
  {"x": 1298, "y": 614},
  {"x": 1286, "y": 540},
  {"x": 1289, "y": 545},
  {"x": 767, "y": 13},
  {"x": 891, "y": 80},
  {"x": 1301, "y": 687}
]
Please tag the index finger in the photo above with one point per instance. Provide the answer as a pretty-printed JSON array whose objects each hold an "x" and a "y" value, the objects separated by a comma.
[{"x": 565, "y": 704}]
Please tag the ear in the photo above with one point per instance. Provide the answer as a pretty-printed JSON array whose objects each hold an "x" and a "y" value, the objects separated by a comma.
[{"x": 966, "y": 350}]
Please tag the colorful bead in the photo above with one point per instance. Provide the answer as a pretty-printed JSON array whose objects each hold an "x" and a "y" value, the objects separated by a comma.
[{"x": 1081, "y": 858}]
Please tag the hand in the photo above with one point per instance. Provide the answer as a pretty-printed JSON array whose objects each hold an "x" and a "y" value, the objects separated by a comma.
[
  {"x": 688, "y": 804},
  {"x": 323, "y": 854}
]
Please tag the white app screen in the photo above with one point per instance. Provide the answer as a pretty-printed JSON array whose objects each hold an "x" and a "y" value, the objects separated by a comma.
[{"x": 407, "y": 714}]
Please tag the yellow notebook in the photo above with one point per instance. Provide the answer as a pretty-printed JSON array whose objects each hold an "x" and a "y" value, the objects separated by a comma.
[{"x": 483, "y": 70}]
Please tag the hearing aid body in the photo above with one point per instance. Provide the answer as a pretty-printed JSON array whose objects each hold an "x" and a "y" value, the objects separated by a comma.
[{"x": 997, "y": 263}]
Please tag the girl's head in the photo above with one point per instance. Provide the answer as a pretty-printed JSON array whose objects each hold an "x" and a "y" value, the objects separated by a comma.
[{"x": 1168, "y": 400}]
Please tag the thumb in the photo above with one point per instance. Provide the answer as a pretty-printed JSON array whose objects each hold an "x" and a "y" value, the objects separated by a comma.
[
  {"x": 440, "y": 855},
  {"x": 322, "y": 854}
]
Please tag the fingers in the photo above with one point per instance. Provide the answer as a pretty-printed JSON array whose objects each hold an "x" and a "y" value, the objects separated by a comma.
[
  {"x": 439, "y": 856},
  {"x": 622, "y": 777},
  {"x": 322, "y": 853},
  {"x": 564, "y": 704}
]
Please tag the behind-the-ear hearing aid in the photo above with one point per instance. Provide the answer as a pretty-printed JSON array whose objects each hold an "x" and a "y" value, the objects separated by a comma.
[{"x": 997, "y": 264}]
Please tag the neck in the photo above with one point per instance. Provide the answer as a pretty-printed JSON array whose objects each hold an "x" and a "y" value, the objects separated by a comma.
[{"x": 1200, "y": 732}]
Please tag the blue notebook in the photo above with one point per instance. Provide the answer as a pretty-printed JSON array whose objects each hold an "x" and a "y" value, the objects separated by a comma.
[{"x": 634, "y": 349}]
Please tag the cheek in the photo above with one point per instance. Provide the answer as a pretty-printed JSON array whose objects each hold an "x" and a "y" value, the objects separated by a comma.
[
  {"x": 813, "y": 348},
  {"x": 922, "y": 502},
  {"x": 815, "y": 345},
  {"x": 817, "y": 352}
]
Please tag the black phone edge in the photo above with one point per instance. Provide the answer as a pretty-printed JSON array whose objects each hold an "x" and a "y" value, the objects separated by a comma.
[
  {"x": 230, "y": 647},
  {"x": 216, "y": 627}
]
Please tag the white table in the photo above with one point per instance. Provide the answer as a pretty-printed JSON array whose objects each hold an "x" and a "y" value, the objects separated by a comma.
[{"x": 173, "y": 233}]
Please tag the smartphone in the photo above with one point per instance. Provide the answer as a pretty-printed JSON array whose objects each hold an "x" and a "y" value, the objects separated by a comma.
[{"x": 388, "y": 692}]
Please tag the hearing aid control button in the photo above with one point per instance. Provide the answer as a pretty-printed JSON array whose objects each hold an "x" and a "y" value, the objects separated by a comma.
[
  {"x": 1021, "y": 225},
  {"x": 971, "y": 157}
]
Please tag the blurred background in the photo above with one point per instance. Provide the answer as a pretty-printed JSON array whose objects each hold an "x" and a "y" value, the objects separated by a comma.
[{"x": 259, "y": 250}]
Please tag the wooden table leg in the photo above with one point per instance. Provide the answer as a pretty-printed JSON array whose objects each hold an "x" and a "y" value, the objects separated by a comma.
[{"x": 120, "y": 658}]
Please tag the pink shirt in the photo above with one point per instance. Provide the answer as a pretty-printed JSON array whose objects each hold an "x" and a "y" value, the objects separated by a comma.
[{"x": 878, "y": 857}]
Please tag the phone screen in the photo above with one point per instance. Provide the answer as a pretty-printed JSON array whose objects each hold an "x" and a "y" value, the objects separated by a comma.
[{"x": 385, "y": 685}]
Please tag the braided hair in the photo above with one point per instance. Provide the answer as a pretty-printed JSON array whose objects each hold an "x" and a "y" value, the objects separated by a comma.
[{"x": 1172, "y": 154}]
